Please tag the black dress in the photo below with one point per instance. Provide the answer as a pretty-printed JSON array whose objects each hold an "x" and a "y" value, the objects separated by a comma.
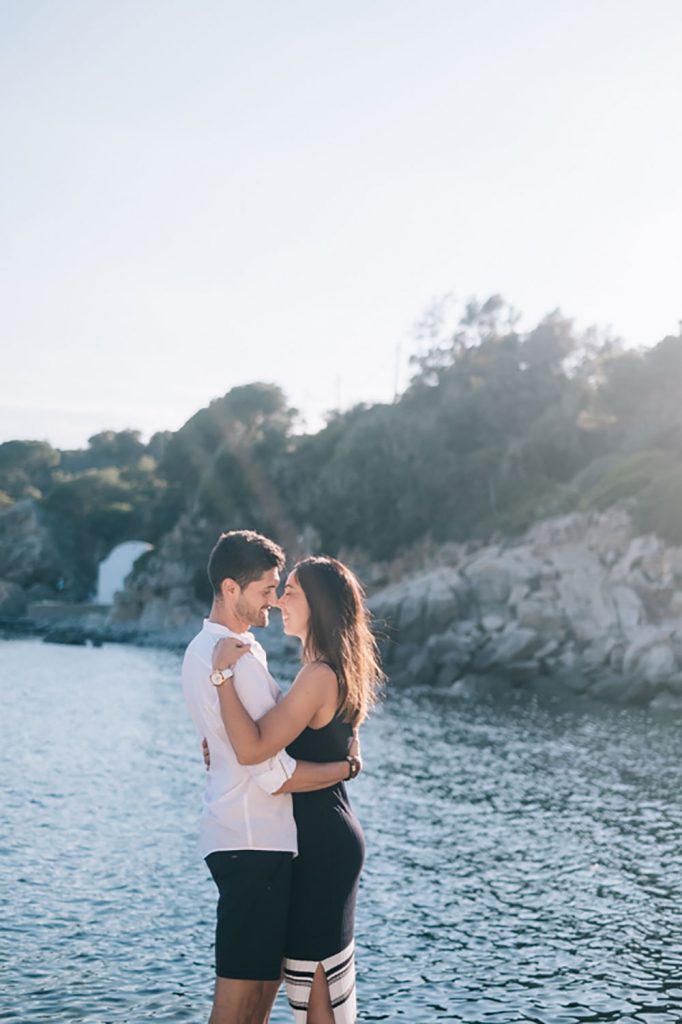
[{"x": 325, "y": 881}]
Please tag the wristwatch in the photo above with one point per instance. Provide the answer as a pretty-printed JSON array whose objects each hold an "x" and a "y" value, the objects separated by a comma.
[
  {"x": 219, "y": 675},
  {"x": 355, "y": 764}
]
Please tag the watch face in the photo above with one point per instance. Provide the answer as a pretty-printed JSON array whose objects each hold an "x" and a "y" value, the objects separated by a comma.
[{"x": 216, "y": 677}]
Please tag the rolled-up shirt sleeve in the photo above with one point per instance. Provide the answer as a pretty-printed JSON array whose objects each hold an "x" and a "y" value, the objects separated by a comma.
[
  {"x": 252, "y": 687},
  {"x": 271, "y": 775}
]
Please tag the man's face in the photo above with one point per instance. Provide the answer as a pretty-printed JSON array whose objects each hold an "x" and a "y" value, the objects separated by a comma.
[{"x": 255, "y": 600}]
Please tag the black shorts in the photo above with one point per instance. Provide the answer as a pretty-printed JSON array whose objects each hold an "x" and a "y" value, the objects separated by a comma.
[{"x": 253, "y": 907}]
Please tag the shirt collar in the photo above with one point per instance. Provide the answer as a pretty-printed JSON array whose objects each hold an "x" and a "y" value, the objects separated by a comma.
[{"x": 218, "y": 629}]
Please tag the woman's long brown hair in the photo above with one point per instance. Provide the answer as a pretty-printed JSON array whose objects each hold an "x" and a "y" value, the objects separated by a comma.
[{"x": 339, "y": 633}]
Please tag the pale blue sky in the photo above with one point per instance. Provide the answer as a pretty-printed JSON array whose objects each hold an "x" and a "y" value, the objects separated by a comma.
[{"x": 196, "y": 194}]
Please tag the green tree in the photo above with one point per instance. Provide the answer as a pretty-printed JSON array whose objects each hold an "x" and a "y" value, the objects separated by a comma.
[{"x": 26, "y": 468}]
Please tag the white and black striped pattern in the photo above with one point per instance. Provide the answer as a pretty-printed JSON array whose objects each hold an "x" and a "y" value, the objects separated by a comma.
[{"x": 340, "y": 973}]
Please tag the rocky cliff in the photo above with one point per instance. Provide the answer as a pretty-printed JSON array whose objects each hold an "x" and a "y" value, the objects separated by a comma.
[
  {"x": 41, "y": 557},
  {"x": 580, "y": 599},
  {"x": 164, "y": 597}
]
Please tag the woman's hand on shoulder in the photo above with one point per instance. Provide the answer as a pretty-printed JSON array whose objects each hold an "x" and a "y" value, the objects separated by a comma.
[{"x": 228, "y": 651}]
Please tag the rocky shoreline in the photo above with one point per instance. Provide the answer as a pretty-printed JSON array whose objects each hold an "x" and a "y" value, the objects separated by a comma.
[
  {"x": 94, "y": 628},
  {"x": 579, "y": 602}
]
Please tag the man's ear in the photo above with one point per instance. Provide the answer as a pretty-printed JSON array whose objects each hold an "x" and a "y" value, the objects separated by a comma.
[{"x": 228, "y": 588}]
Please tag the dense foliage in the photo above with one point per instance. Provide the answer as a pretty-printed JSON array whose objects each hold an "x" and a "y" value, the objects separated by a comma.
[{"x": 496, "y": 428}]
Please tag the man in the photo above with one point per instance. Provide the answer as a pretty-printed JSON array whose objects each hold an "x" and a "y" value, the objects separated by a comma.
[{"x": 248, "y": 833}]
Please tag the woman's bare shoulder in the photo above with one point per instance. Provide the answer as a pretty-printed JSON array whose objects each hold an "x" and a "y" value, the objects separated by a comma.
[{"x": 317, "y": 674}]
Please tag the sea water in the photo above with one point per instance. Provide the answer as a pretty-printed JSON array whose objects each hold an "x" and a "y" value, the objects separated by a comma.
[{"x": 524, "y": 858}]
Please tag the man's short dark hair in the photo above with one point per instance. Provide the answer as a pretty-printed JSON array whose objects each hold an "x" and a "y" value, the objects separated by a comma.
[{"x": 243, "y": 556}]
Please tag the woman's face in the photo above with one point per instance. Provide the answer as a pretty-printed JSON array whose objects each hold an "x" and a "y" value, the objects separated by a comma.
[{"x": 295, "y": 609}]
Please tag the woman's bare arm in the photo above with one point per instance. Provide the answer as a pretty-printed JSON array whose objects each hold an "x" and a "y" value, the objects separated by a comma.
[
  {"x": 310, "y": 777},
  {"x": 314, "y": 688}
]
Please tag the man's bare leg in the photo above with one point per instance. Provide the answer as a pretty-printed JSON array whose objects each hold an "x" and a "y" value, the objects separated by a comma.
[{"x": 242, "y": 1002}]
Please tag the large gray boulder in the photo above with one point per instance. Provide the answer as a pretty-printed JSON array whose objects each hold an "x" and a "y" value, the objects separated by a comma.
[
  {"x": 647, "y": 554},
  {"x": 583, "y": 592},
  {"x": 429, "y": 603},
  {"x": 658, "y": 664},
  {"x": 609, "y": 534},
  {"x": 447, "y": 598},
  {"x": 508, "y": 648},
  {"x": 542, "y": 614},
  {"x": 629, "y": 608},
  {"x": 649, "y": 655},
  {"x": 495, "y": 573}
]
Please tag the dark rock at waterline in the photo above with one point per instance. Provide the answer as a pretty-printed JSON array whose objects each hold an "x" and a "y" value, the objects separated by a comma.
[
  {"x": 40, "y": 592},
  {"x": 65, "y": 634},
  {"x": 13, "y": 601}
]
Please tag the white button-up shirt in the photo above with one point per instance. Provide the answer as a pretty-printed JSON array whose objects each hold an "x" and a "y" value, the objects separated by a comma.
[{"x": 240, "y": 812}]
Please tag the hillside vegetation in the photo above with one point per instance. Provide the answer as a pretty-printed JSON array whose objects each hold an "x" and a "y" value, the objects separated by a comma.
[{"x": 497, "y": 429}]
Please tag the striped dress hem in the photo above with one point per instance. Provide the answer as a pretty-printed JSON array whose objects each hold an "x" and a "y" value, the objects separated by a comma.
[{"x": 339, "y": 971}]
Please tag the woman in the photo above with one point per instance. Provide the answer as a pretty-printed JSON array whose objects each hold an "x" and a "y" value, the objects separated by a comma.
[{"x": 323, "y": 606}]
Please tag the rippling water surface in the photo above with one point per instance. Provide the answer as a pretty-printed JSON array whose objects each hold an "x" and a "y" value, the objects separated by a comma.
[{"x": 524, "y": 861}]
